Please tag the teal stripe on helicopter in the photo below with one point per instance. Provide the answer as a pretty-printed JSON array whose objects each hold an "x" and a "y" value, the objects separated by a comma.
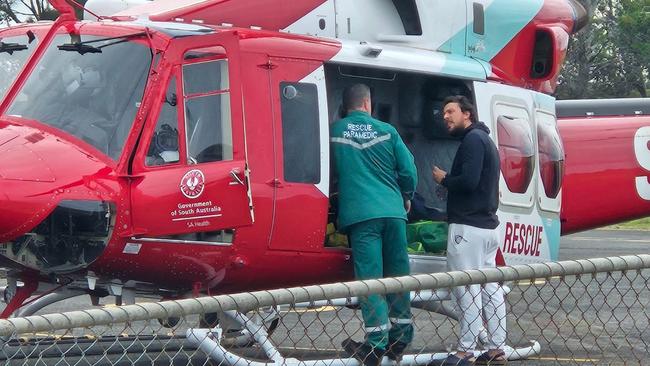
[
  {"x": 552, "y": 232},
  {"x": 512, "y": 16},
  {"x": 464, "y": 67}
]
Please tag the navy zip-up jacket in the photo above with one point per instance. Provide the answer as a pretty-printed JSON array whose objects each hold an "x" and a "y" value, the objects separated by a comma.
[{"x": 473, "y": 182}]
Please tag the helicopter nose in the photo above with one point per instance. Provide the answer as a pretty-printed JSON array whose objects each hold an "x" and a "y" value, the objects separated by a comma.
[
  {"x": 24, "y": 178},
  {"x": 66, "y": 238},
  {"x": 18, "y": 215},
  {"x": 57, "y": 199}
]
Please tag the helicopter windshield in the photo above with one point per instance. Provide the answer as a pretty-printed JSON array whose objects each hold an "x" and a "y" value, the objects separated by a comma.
[
  {"x": 88, "y": 86},
  {"x": 14, "y": 52}
]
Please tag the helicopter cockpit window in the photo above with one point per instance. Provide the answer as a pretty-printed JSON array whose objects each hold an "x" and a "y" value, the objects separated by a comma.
[
  {"x": 14, "y": 52},
  {"x": 207, "y": 111},
  {"x": 211, "y": 52},
  {"x": 163, "y": 148},
  {"x": 88, "y": 86}
]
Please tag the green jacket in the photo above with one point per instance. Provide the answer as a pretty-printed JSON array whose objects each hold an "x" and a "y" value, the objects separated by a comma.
[{"x": 374, "y": 168}]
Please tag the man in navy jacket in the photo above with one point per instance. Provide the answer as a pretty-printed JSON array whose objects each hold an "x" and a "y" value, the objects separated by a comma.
[{"x": 473, "y": 186}]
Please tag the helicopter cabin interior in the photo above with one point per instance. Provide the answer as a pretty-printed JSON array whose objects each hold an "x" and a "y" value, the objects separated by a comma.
[{"x": 412, "y": 103}]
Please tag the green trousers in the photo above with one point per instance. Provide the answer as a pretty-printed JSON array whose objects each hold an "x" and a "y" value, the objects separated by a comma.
[{"x": 379, "y": 250}]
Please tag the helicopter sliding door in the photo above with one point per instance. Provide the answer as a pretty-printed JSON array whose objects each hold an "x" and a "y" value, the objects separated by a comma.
[
  {"x": 193, "y": 182},
  {"x": 302, "y": 154}
]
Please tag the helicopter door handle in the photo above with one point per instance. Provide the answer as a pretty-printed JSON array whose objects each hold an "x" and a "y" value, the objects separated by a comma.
[
  {"x": 234, "y": 174},
  {"x": 274, "y": 183}
]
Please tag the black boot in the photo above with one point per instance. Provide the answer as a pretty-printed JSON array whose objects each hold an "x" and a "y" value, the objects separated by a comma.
[
  {"x": 396, "y": 350},
  {"x": 364, "y": 353}
]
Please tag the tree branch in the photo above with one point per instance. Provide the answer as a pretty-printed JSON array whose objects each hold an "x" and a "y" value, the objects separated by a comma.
[{"x": 5, "y": 7}]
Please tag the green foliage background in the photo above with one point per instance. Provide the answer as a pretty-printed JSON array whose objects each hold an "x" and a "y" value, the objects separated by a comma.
[{"x": 610, "y": 58}]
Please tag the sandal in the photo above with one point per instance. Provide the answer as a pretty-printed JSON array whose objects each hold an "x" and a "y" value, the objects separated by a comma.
[{"x": 496, "y": 359}]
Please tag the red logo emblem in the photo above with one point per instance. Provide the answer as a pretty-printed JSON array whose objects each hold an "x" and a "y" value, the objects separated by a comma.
[{"x": 192, "y": 183}]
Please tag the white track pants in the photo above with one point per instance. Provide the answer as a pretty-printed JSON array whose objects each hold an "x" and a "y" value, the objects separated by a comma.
[{"x": 469, "y": 247}]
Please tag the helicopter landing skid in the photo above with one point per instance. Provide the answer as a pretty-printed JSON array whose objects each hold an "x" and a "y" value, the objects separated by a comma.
[{"x": 209, "y": 341}]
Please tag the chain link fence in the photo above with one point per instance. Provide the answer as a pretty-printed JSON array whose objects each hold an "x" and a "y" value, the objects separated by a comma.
[{"x": 574, "y": 312}]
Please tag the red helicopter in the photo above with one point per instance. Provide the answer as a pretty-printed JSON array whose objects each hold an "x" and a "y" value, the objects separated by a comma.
[
  {"x": 617, "y": 133},
  {"x": 180, "y": 147}
]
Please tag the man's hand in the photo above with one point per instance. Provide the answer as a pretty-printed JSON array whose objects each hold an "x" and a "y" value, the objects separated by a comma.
[
  {"x": 438, "y": 174},
  {"x": 407, "y": 205}
]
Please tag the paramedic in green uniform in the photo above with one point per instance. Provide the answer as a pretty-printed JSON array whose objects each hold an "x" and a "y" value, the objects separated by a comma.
[{"x": 376, "y": 179}]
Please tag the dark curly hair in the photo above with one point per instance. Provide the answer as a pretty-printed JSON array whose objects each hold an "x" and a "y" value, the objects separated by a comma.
[{"x": 464, "y": 104}]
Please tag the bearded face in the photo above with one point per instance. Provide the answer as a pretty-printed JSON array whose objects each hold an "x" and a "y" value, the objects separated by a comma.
[{"x": 456, "y": 119}]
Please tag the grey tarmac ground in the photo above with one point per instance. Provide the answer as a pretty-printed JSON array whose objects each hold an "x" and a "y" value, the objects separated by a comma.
[
  {"x": 604, "y": 243},
  {"x": 577, "y": 322}
]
